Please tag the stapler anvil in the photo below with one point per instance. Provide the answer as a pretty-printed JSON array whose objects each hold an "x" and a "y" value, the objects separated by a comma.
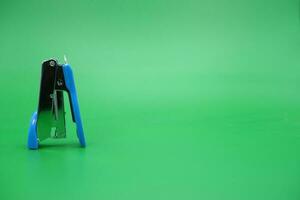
[{"x": 49, "y": 120}]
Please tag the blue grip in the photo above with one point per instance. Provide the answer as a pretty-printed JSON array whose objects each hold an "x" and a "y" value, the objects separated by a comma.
[
  {"x": 70, "y": 84},
  {"x": 32, "y": 142}
]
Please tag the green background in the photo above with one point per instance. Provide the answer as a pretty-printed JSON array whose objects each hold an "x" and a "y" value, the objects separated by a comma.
[{"x": 179, "y": 99}]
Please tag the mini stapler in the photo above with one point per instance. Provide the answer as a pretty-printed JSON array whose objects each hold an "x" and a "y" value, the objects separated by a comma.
[{"x": 49, "y": 119}]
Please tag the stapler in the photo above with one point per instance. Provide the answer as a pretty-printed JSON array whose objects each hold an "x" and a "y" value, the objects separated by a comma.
[{"x": 49, "y": 119}]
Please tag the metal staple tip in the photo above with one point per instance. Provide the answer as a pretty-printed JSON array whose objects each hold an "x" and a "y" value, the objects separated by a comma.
[{"x": 65, "y": 59}]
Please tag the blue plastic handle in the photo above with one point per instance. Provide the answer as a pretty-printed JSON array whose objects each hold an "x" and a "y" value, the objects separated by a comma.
[
  {"x": 32, "y": 142},
  {"x": 70, "y": 84}
]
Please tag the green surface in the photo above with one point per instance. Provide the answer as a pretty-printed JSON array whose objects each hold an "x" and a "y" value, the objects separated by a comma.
[{"x": 179, "y": 99}]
